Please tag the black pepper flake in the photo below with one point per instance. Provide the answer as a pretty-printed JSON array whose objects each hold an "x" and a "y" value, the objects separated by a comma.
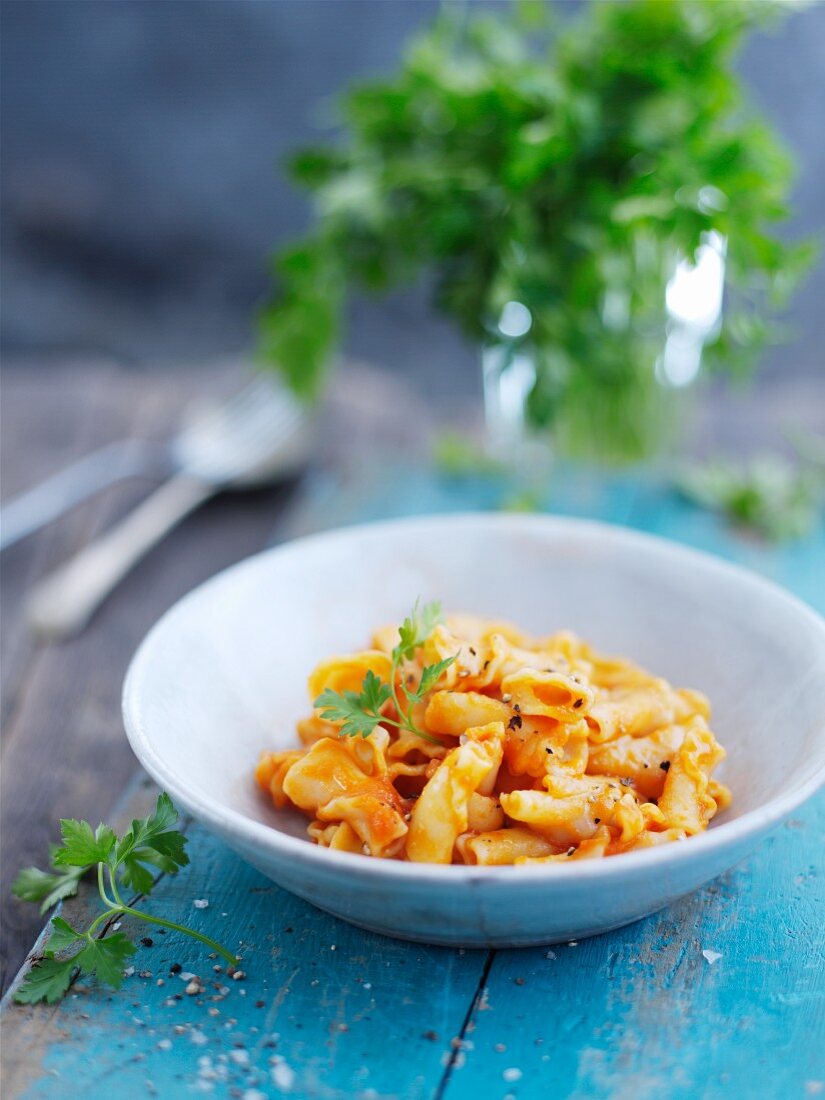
[
  {"x": 175, "y": 968},
  {"x": 571, "y": 850},
  {"x": 626, "y": 781},
  {"x": 515, "y": 722},
  {"x": 577, "y": 704},
  {"x": 473, "y": 651},
  {"x": 665, "y": 765},
  {"x": 548, "y": 749},
  {"x": 645, "y": 765},
  {"x": 486, "y": 665},
  {"x": 289, "y": 930},
  {"x": 516, "y": 708},
  {"x": 431, "y": 1035},
  {"x": 596, "y": 820}
]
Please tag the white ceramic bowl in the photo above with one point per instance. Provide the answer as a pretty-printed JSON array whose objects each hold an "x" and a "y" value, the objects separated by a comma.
[{"x": 223, "y": 675}]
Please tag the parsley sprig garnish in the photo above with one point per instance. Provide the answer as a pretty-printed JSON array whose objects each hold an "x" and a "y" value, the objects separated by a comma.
[
  {"x": 150, "y": 844},
  {"x": 360, "y": 712}
]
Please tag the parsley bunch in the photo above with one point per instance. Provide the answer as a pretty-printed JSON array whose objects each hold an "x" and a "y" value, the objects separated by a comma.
[
  {"x": 565, "y": 164},
  {"x": 150, "y": 844},
  {"x": 361, "y": 711}
]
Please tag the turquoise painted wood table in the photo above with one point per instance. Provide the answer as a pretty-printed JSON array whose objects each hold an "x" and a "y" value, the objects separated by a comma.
[{"x": 720, "y": 995}]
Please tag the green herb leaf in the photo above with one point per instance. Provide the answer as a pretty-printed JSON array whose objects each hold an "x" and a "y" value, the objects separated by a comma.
[
  {"x": 63, "y": 936},
  {"x": 769, "y": 495},
  {"x": 106, "y": 958},
  {"x": 48, "y": 980},
  {"x": 82, "y": 847},
  {"x": 415, "y": 630},
  {"x": 359, "y": 712},
  {"x": 430, "y": 675},
  {"x": 47, "y": 887},
  {"x": 153, "y": 841}
]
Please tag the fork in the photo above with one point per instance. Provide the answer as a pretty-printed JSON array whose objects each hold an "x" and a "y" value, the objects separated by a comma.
[{"x": 259, "y": 436}]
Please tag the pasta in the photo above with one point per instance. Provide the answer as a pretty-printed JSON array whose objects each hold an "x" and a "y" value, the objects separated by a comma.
[{"x": 477, "y": 744}]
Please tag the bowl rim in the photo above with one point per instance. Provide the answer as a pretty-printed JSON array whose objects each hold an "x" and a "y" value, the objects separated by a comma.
[{"x": 236, "y": 825}]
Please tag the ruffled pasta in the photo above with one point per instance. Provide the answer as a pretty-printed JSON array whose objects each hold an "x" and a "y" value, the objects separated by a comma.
[{"x": 536, "y": 751}]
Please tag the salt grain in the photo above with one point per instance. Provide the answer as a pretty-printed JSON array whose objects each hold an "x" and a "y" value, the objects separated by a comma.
[
  {"x": 165, "y": 1044},
  {"x": 198, "y": 1037},
  {"x": 283, "y": 1076},
  {"x": 512, "y": 1074},
  {"x": 712, "y": 956},
  {"x": 201, "y": 903}
]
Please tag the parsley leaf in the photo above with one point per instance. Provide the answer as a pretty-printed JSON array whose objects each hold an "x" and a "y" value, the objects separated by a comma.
[
  {"x": 47, "y": 887},
  {"x": 82, "y": 847},
  {"x": 430, "y": 675},
  {"x": 150, "y": 842},
  {"x": 63, "y": 936},
  {"x": 415, "y": 630},
  {"x": 360, "y": 713},
  {"x": 48, "y": 980},
  {"x": 106, "y": 958}
]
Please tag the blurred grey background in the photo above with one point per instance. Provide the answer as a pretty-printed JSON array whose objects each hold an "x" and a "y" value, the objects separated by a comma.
[{"x": 142, "y": 188}]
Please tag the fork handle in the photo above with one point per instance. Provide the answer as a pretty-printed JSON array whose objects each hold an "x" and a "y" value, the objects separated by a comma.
[{"x": 62, "y": 603}]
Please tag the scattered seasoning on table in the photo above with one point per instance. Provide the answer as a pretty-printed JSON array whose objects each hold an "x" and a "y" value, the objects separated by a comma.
[
  {"x": 175, "y": 968},
  {"x": 147, "y": 941},
  {"x": 512, "y": 1074},
  {"x": 201, "y": 903},
  {"x": 432, "y": 1036},
  {"x": 518, "y": 981}
]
